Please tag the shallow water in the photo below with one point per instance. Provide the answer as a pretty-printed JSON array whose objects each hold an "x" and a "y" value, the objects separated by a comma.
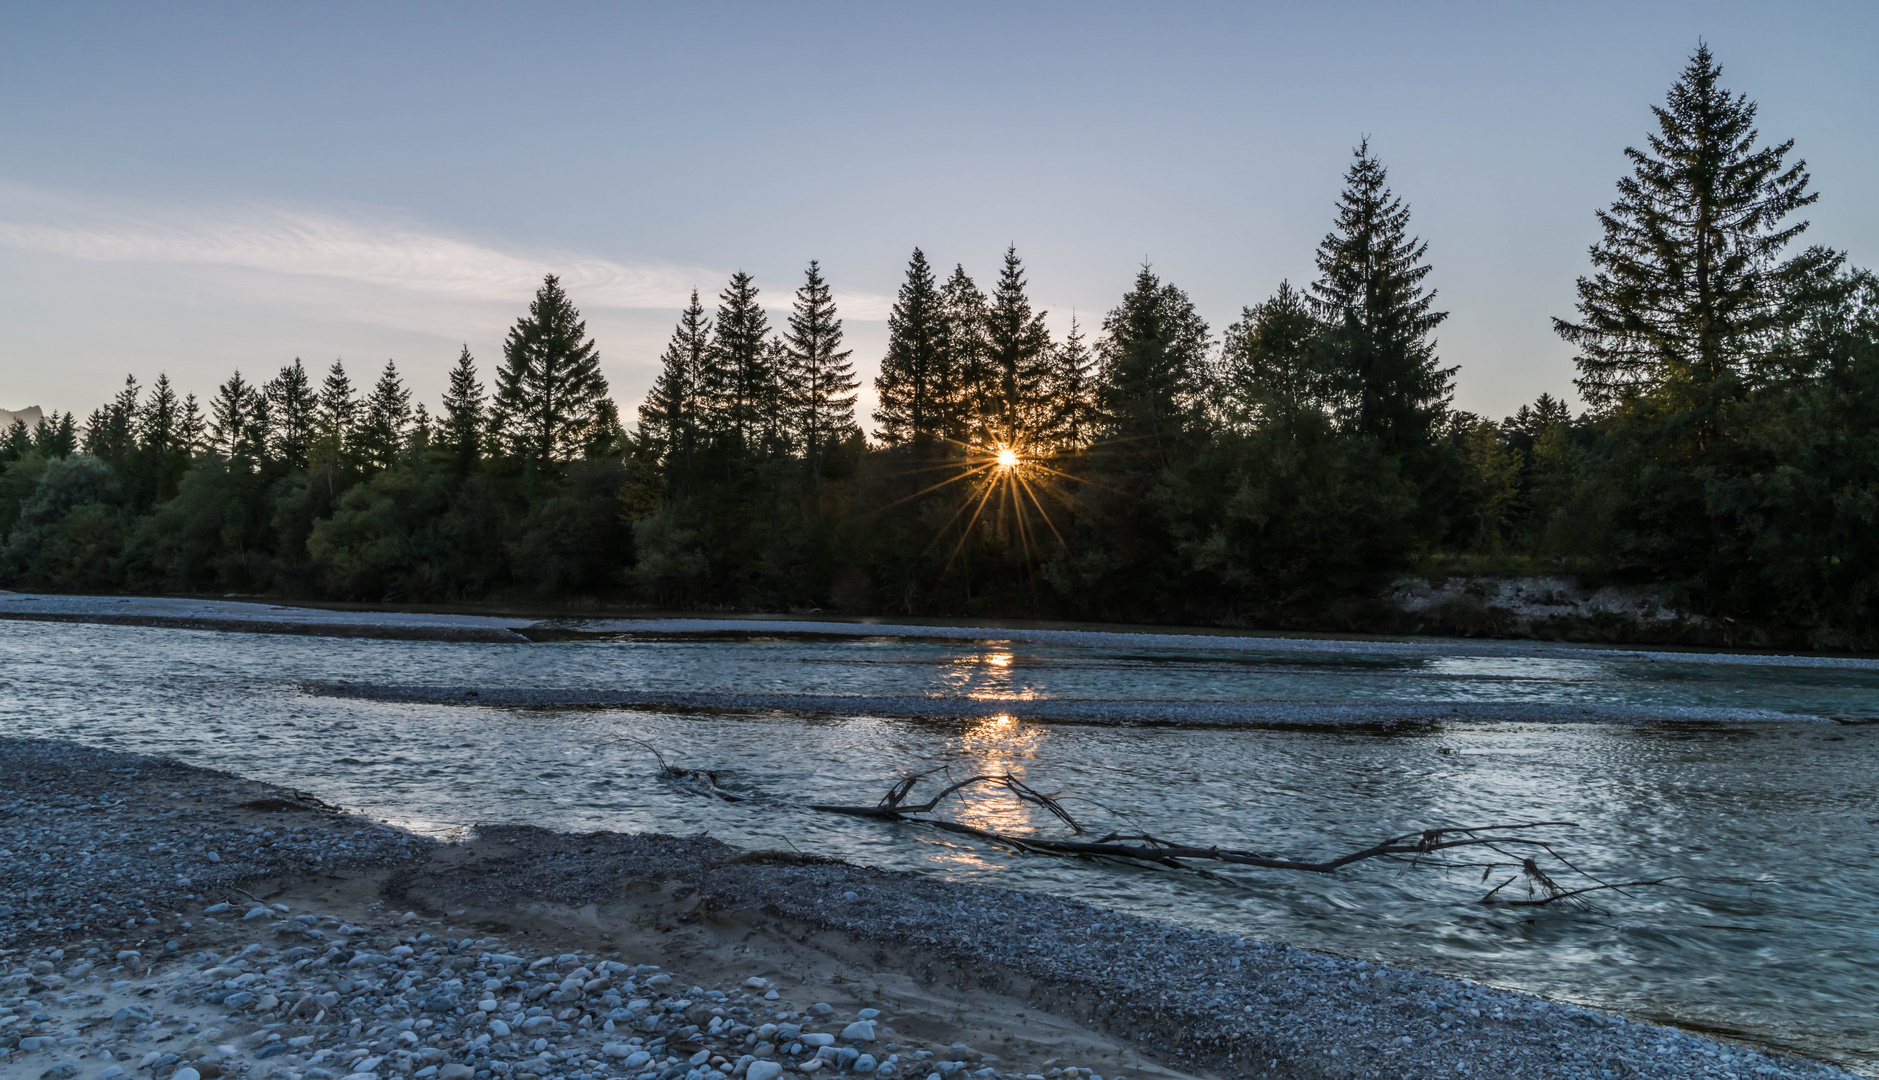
[{"x": 1770, "y": 829}]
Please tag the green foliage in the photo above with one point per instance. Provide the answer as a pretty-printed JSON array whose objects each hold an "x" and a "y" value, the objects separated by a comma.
[
  {"x": 549, "y": 389},
  {"x": 818, "y": 379},
  {"x": 917, "y": 387},
  {"x": 1690, "y": 286},
  {"x": 1379, "y": 357}
]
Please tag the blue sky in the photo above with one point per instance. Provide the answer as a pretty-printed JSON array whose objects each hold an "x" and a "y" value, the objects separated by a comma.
[{"x": 198, "y": 188}]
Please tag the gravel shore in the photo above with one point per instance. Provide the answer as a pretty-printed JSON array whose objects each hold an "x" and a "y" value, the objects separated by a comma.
[{"x": 163, "y": 921}]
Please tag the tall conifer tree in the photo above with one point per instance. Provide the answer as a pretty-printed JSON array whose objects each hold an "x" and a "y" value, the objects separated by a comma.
[
  {"x": 292, "y": 406},
  {"x": 1378, "y": 322},
  {"x": 386, "y": 421},
  {"x": 821, "y": 378},
  {"x": 1154, "y": 378},
  {"x": 111, "y": 433},
  {"x": 972, "y": 399},
  {"x": 464, "y": 415},
  {"x": 669, "y": 417},
  {"x": 238, "y": 427},
  {"x": 549, "y": 384},
  {"x": 915, "y": 387},
  {"x": 1689, "y": 282},
  {"x": 738, "y": 381},
  {"x": 1070, "y": 392},
  {"x": 162, "y": 452},
  {"x": 1017, "y": 355},
  {"x": 1270, "y": 362}
]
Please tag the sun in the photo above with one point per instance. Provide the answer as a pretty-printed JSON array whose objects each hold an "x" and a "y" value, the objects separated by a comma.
[{"x": 1007, "y": 458}]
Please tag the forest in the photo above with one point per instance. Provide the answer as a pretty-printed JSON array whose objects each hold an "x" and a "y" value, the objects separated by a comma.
[{"x": 1279, "y": 471}]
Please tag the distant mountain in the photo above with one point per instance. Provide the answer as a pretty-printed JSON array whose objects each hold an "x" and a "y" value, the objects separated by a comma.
[{"x": 32, "y": 417}]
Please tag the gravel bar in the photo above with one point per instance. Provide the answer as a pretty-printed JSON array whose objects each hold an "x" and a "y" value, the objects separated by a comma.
[
  {"x": 134, "y": 942},
  {"x": 1056, "y": 710}
]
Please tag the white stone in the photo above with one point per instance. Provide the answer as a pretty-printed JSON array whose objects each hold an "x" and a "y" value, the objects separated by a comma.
[
  {"x": 764, "y": 1070},
  {"x": 859, "y": 1031}
]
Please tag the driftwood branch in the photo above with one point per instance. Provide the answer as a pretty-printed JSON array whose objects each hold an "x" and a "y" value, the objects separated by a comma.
[
  {"x": 699, "y": 781},
  {"x": 1424, "y": 847}
]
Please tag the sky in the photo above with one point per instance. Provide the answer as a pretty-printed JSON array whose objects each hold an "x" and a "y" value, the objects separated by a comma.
[{"x": 197, "y": 188}]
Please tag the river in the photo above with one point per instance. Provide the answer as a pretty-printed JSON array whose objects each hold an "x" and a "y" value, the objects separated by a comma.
[{"x": 1763, "y": 816}]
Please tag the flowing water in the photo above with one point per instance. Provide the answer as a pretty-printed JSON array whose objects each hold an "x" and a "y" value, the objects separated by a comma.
[{"x": 1767, "y": 828}]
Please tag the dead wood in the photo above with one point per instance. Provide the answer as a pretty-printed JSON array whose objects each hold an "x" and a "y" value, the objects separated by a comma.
[
  {"x": 698, "y": 781},
  {"x": 1513, "y": 842}
]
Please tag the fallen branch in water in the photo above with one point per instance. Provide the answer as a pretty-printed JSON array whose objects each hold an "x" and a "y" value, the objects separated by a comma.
[
  {"x": 1421, "y": 848},
  {"x": 700, "y": 781}
]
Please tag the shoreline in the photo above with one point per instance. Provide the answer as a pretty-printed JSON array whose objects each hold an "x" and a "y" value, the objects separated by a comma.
[
  {"x": 1007, "y": 984},
  {"x": 242, "y": 616}
]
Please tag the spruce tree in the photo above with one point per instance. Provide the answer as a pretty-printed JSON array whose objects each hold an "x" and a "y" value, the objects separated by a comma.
[
  {"x": 338, "y": 408},
  {"x": 238, "y": 423},
  {"x": 292, "y": 409},
  {"x": 971, "y": 397},
  {"x": 162, "y": 455},
  {"x": 1270, "y": 362},
  {"x": 1689, "y": 281},
  {"x": 1153, "y": 358},
  {"x": 55, "y": 436},
  {"x": 1380, "y": 358},
  {"x": 111, "y": 432},
  {"x": 915, "y": 387},
  {"x": 549, "y": 383},
  {"x": 386, "y": 421},
  {"x": 19, "y": 441},
  {"x": 1069, "y": 392},
  {"x": 738, "y": 384},
  {"x": 669, "y": 418},
  {"x": 463, "y": 423},
  {"x": 820, "y": 378},
  {"x": 1017, "y": 353}
]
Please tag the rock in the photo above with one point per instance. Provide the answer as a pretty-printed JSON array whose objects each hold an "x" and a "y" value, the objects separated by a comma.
[
  {"x": 818, "y": 1039},
  {"x": 455, "y": 1071},
  {"x": 851, "y": 896},
  {"x": 864, "y": 1064},
  {"x": 763, "y": 1070},
  {"x": 129, "y": 1017},
  {"x": 868, "y": 1014},
  {"x": 215, "y": 909},
  {"x": 859, "y": 1031},
  {"x": 185, "y": 1073},
  {"x": 59, "y": 1072},
  {"x": 499, "y": 1029},
  {"x": 822, "y": 1008},
  {"x": 636, "y": 1059},
  {"x": 617, "y": 1050},
  {"x": 111, "y": 1073},
  {"x": 754, "y": 983}
]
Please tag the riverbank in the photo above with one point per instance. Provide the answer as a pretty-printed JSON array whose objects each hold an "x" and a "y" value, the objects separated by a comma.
[{"x": 349, "y": 947}]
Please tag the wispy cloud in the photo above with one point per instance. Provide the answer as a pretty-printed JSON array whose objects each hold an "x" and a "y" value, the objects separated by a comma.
[{"x": 294, "y": 241}]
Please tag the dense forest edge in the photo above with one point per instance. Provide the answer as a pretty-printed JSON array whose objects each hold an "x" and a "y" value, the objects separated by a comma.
[{"x": 1301, "y": 469}]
